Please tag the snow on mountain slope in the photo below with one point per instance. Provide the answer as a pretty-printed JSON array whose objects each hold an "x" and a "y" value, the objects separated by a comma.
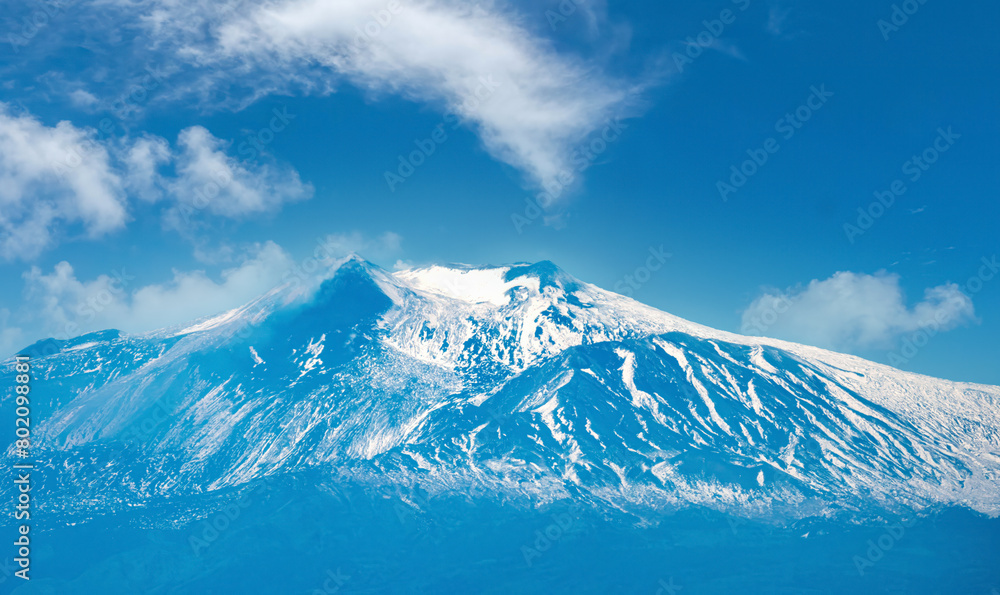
[{"x": 520, "y": 380}]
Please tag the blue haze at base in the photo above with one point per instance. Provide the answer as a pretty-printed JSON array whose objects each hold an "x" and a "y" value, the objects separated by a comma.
[{"x": 291, "y": 534}]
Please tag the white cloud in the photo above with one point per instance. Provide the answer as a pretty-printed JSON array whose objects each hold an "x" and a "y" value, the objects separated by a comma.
[
  {"x": 62, "y": 180},
  {"x": 529, "y": 103},
  {"x": 207, "y": 178},
  {"x": 59, "y": 304},
  {"x": 64, "y": 306},
  {"x": 83, "y": 99},
  {"x": 851, "y": 311},
  {"x": 725, "y": 47},
  {"x": 51, "y": 178},
  {"x": 143, "y": 160}
]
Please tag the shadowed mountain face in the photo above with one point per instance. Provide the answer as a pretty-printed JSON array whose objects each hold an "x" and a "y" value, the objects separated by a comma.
[{"x": 518, "y": 382}]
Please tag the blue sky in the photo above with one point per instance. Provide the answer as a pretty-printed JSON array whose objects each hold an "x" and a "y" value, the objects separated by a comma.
[{"x": 164, "y": 160}]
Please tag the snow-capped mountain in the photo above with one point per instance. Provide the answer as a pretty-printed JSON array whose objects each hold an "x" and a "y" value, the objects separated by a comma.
[{"x": 518, "y": 380}]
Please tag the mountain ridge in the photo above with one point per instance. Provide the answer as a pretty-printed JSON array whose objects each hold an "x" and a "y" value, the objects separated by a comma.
[{"x": 520, "y": 379}]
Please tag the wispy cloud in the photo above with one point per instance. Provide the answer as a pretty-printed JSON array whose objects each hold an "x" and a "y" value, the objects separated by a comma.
[
  {"x": 208, "y": 179},
  {"x": 851, "y": 311},
  {"x": 83, "y": 99},
  {"x": 60, "y": 180},
  {"x": 727, "y": 48},
  {"x": 436, "y": 52},
  {"x": 59, "y": 303},
  {"x": 46, "y": 186}
]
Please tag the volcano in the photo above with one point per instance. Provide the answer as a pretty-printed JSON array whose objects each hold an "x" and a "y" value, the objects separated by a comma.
[{"x": 518, "y": 387}]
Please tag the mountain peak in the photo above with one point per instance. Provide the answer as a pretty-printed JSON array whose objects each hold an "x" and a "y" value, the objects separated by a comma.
[
  {"x": 488, "y": 284},
  {"x": 547, "y": 273}
]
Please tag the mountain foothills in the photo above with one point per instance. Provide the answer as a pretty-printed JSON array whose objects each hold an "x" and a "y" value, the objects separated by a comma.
[{"x": 517, "y": 382}]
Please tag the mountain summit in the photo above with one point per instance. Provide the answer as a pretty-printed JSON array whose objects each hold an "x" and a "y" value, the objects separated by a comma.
[{"x": 520, "y": 381}]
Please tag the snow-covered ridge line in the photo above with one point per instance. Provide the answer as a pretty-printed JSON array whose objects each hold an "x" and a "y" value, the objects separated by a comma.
[{"x": 513, "y": 374}]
